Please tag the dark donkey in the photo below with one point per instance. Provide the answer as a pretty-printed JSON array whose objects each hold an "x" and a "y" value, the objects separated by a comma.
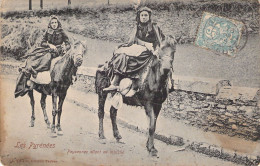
[
  {"x": 153, "y": 90},
  {"x": 61, "y": 79}
]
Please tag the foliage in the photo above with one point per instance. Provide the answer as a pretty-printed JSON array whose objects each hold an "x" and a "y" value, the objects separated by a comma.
[{"x": 22, "y": 30}]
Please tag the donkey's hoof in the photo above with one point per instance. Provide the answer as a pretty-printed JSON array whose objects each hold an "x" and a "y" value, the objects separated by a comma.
[
  {"x": 101, "y": 136},
  {"x": 60, "y": 132},
  {"x": 53, "y": 135},
  {"x": 31, "y": 124},
  {"x": 48, "y": 124},
  {"x": 118, "y": 136},
  {"x": 154, "y": 152}
]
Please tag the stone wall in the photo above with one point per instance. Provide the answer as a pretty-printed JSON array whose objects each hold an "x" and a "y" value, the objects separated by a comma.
[
  {"x": 207, "y": 111},
  {"x": 210, "y": 104}
]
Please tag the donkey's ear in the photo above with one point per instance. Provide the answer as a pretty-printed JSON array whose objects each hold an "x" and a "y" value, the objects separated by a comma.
[
  {"x": 178, "y": 39},
  {"x": 171, "y": 36},
  {"x": 84, "y": 43},
  {"x": 170, "y": 40}
]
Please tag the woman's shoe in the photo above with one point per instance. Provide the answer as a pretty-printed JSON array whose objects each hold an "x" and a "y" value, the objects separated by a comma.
[
  {"x": 111, "y": 87},
  {"x": 114, "y": 84},
  {"x": 29, "y": 85}
]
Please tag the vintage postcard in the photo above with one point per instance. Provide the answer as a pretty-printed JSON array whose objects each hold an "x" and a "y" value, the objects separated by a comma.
[{"x": 130, "y": 82}]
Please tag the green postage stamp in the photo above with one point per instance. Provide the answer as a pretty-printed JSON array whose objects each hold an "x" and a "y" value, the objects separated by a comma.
[{"x": 220, "y": 34}]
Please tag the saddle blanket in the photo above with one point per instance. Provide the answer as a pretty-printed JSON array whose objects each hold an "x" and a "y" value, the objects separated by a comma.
[
  {"x": 45, "y": 77},
  {"x": 133, "y": 50}
]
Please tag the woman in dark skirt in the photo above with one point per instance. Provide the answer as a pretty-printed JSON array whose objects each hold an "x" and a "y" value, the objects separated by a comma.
[
  {"x": 143, "y": 43},
  {"x": 58, "y": 43},
  {"x": 54, "y": 43}
]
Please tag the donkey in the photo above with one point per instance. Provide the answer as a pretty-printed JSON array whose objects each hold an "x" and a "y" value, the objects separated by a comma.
[
  {"x": 153, "y": 90},
  {"x": 61, "y": 79}
]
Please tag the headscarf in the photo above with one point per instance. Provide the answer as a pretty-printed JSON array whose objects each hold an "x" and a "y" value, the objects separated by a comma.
[
  {"x": 140, "y": 11},
  {"x": 50, "y": 30},
  {"x": 144, "y": 27}
]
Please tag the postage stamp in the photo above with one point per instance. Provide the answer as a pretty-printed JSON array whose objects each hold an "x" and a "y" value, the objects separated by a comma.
[{"x": 220, "y": 34}]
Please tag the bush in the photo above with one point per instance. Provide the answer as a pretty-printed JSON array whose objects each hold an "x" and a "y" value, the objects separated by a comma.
[{"x": 115, "y": 22}]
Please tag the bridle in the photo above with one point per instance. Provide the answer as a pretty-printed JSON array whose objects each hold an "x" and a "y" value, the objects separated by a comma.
[{"x": 78, "y": 55}]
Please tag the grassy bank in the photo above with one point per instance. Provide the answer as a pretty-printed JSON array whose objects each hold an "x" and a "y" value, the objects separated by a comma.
[{"x": 22, "y": 30}]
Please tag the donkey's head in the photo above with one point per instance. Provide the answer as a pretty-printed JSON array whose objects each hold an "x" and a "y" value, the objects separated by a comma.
[
  {"x": 166, "y": 54},
  {"x": 77, "y": 51}
]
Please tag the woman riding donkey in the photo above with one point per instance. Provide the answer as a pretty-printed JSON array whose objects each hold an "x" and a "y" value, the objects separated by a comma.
[
  {"x": 55, "y": 43},
  {"x": 129, "y": 58},
  {"x": 148, "y": 60}
]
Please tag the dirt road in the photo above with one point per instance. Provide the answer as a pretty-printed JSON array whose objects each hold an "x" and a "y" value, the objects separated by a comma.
[
  {"x": 190, "y": 60},
  {"x": 79, "y": 144}
]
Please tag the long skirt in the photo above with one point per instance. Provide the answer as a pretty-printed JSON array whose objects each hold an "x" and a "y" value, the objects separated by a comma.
[
  {"x": 41, "y": 61},
  {"x": 128, "y": 65}
]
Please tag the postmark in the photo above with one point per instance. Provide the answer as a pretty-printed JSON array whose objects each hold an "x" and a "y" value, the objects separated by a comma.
[{"x": 220, "y": 34}]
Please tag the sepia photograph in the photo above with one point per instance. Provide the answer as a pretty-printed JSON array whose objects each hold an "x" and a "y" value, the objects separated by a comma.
[{"x": 130, "y": 82}]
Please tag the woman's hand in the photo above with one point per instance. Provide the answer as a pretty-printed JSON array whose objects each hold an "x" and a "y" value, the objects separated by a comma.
[
  {"x": 149, "y": 46},
  {"x": 53, "y": 47},
  {"x": 63, "y": 48}
]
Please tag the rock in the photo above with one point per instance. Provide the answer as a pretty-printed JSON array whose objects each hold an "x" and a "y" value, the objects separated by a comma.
[
  {"x": 231, "y": 120},
  {"x": 218, "y": 124},
  {"x": 241, "y": 116},
  {"x": 204, "y": 145},
  {"x": 242, "y": 108},
  {"x": 182, "y": 107},
  {"x": 186, "y": 121},
  {"x": 175, "y": 140},
  {"x": 253, "y": 157},
  {"x": 221, "y": 110},
  {"x": 210, "y": 98},
  {"x": 205, "y": 105},
  {"x": 221, "y": 106},
  {"x": 189, "y": 108},
  {"x": 237, "y": 93},
  {"x": 175, "y": 106},
  {"x": 212, "y": 104},
  {"x": 211, "y": 118},
  {"x": 232, "y": 108},
  {"x": 245, "y": 124},
  {"x": 229, "y": 114},
  {"x": 193, "y": 105},
  {"x": 200, "y": 97},
  {"x": 234, "y": 127},
  {"x": 249, "y": 111},
  {"x": 248, "y": 130},
  {"x": 207, "y": 109},
  {"x": 182, "y": 113},
  {"x": 215, "y": 149}
]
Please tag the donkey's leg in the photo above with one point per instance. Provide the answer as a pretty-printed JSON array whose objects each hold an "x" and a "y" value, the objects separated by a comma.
[
  {"x": 54, "y": 112},
  {"x": 61, "y": 100},
  {"x": 113, "y": 114},
  {"x": 101, "y": 113},
  {"x": 43, "y": 105},
  {"x": 30, "y": 94},
  {"x": 150, "y": 142}
]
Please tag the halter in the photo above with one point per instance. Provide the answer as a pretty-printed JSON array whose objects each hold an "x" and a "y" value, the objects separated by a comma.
[{"x": 78, "y": 60}]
